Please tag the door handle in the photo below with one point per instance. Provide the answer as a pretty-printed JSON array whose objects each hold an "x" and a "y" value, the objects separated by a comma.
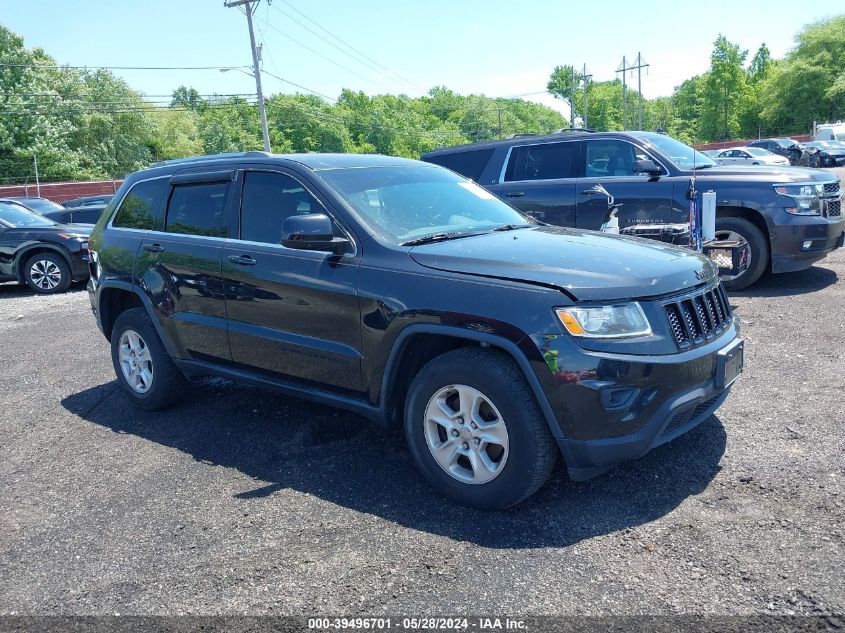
[
  {"x": 515, "y": 194},
  {"x": 242, "y": 260},
  {"x": 153, "y": 248},
  {"x": 590, "y": 192}
]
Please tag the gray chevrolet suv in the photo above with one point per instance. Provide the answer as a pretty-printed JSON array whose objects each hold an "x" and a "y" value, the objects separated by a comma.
[{"x": 789, "y": 216}]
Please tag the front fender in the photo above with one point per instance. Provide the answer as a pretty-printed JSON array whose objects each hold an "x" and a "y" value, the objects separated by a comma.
[
  {"x": 23, "y": 254},
  {"x": 511, "y": 348}
]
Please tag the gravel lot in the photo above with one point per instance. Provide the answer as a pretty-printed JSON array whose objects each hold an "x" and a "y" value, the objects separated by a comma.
[{"x": 243, "y": 501}]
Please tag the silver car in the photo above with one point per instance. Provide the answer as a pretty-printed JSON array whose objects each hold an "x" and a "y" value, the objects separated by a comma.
[{"x": 750, "y": 156}]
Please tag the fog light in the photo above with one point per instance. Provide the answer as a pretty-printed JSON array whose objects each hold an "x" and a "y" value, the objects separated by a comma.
[{"x": 807, "y": 245}]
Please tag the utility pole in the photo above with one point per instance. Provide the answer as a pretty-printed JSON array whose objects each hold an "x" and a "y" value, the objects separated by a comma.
[
  {"x": 265, "y": 133},
  {"x": 624, "y": 70},
  {"x": 37, "y": 182},
  {"x": 585, "y": 78},
  {"x": 638, "y": 65}
]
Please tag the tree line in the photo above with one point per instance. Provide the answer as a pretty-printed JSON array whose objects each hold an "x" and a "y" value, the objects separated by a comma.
[
  {"x": 738, "y": 97},
  {"x": 83, "y": 124}
]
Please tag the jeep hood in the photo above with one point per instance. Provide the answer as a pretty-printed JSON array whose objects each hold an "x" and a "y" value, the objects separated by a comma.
[{"x": 588, "y": 265}]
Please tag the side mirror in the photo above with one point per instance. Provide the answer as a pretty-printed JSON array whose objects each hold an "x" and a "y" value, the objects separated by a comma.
[
  {"x": 313, "y": 232},
  {"x": 647, "y": 167}
]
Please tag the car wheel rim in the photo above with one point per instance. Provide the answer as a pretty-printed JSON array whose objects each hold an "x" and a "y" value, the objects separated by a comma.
[
  {"x": 136, "y": 364},
  {"x": 466, "y": 434},
  {"x": 45, "y": 274},
  {"x": 733, "y": 235}
]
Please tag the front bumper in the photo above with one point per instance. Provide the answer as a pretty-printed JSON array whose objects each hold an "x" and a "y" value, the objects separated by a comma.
[
  {"x": 588, "y": 458},
  {"x": 79, "y": 265},
  {"x": 616, "y": 407},
  {"x": 805, "y": 240}
]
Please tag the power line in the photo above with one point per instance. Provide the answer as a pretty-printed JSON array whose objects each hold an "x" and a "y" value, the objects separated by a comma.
[
  {"x": 367, "y": 62},
  {"x": 288, "y": 81},
  {"x": 54, "y": 67},
  {"x": 319, "y": 54},
  {"x": 349, "y": 46}
]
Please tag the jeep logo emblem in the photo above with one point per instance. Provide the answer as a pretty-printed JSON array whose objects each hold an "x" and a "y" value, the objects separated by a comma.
[{"x": 701, "y": 275}]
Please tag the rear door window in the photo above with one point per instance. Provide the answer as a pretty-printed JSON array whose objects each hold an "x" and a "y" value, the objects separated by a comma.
[
  {"x": 546, "y": 161},
  {"x": 141, "y": 207},
  {"x": 198, "y": 209}
]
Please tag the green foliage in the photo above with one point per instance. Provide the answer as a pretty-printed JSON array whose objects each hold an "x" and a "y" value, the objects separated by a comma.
[
  {"x": 84, "y": 124},
  {"x": 724, "y": 91},
  {"x": 809, "y": 85}
]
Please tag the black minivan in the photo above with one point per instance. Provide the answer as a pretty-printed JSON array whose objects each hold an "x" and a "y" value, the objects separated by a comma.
[{"x": 405, "y": 293}]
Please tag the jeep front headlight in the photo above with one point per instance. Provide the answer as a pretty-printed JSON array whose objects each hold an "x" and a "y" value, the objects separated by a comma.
[{"x": 611, "y": 321}]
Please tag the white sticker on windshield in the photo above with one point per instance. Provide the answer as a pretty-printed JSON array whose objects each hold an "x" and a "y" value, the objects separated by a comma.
[{"x": 481, "y": 193}]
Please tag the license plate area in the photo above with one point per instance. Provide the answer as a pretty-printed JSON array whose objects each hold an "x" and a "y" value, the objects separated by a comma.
[{"x": 729, "y": 363}]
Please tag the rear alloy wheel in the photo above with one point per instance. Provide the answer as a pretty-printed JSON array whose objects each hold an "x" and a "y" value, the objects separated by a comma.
[
  {"x": 47, "y": 273},
  {"x": 135, "y": 361},
  {"x": 475, "y": 430},
  {"x": 144, "y": 369},
  {"x": 745, "y": 232}
]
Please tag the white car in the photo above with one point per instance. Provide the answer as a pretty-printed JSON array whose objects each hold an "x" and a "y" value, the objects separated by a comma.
[{"x": 750, "y": 156}]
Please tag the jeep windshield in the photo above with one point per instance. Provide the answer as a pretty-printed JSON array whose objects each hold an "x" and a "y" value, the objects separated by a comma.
[
  {"x": 419, "y": 203},
  {"x": 682, "y": 156},
  {"x": 17, "y": 216}
]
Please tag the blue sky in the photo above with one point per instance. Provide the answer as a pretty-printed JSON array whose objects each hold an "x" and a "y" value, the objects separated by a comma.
[{"x": 496, "y": 47}]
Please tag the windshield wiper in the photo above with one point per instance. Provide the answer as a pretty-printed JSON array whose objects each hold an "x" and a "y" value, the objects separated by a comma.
[
  {"x": 511, "y": 227},
  {"x": 437, "y": 237}
]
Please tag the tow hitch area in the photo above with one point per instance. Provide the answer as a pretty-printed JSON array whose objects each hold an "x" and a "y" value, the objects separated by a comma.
[{"x": 731, "y": 256}]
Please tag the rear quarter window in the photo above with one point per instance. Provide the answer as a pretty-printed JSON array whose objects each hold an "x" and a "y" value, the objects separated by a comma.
[
  {"x": 468, "y": 164},
  {"x": 141, "y": 207}
]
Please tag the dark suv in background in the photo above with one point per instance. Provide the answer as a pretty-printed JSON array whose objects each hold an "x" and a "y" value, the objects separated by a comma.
[
  {"x": 792, "y": 149},
  {"x": 403, "y": 292},
  {"x": 45, "y": 255},
  {"x": 790, "y": 217}
]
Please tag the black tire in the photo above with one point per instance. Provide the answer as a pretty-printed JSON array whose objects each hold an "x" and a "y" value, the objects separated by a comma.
[
  {"x": 757, "y": 242},
  {"x": 167, "y": 384},
  {"x": 52, "y": 276},
  {"x": 532, "y": 451}
]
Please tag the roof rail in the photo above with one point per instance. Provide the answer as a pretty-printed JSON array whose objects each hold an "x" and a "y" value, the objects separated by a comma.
[
  {"x": 521, "y": 135},
  {"x": 564, "y": 130},
  {"x": 193, "y": 159}
]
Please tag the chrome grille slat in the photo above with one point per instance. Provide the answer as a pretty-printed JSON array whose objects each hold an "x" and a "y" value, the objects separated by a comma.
[{"x": 692, "y": 319}]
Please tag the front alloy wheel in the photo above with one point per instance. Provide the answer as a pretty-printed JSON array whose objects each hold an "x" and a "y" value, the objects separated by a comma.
[
  {"x": 45, "y": 274},
  {"x": 475, "y": 429},
  {"x": 466, "y": 434},
  {"x": 136, "y": 364}
]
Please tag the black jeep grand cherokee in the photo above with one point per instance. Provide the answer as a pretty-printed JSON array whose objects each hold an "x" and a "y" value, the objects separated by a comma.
[
  {"x": 399, "y": 290},
  {"x": 790, "y": 217}
]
